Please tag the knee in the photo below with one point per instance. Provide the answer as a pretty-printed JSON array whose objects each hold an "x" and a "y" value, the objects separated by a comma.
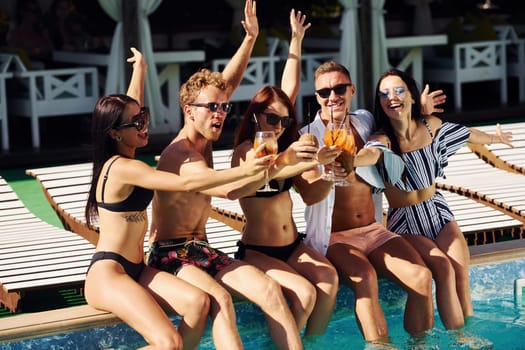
[
  {"x": 271, "y": 293},
  {"x": 201, "y": 303},
  {"x": 168, "y": 340},
  {"x": 365, "y": 276},
  {"x": 222, "y": 299},
  {"x": 328, "y": 281},
  {"x": 421, "y": 280},
  {"x": 306, "y": 294},
  {"x": 442, "y": 269}
]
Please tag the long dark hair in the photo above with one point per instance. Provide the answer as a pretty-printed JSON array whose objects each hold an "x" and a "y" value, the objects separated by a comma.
[
  {"x": 382, "y": 120},
  {"x": 106, "y": 116},
  {"x": 262, "y": 99}
]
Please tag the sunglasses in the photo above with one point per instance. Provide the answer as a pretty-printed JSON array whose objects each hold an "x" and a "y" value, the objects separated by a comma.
[
  {"x": 398, "y": 91},
  {"x": 274, "y": 119},
  {"x": 140, "y": 120},
  {"x": 338, "y": 89},
  {"x": 214, "y": 106}
]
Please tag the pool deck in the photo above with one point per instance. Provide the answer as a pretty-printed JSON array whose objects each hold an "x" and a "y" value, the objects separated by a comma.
[{"x": 31, "y": 325}]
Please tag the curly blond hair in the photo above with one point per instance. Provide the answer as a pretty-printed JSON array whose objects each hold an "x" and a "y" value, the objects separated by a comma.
[{"x": 192, "y": 87}]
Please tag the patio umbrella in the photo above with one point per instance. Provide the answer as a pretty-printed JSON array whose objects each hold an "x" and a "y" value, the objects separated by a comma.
[
  {"x": 115, "y": 81},
  {"x": 350, "y": 46}
]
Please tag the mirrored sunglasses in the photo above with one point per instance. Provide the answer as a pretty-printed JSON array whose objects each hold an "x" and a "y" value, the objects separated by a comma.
[
  {"x": 139, "y": 121},
  {"x": 274, "y": 119},
  {"x": 214, "y": 106},
  {"x": 397, "y": 91},
  {"x": 339, "y": 89}
]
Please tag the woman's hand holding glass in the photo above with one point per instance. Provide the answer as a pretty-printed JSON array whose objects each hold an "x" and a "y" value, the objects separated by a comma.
[
  {"x": 253, "y": 164},
  {"x": 270, "y": 148}
]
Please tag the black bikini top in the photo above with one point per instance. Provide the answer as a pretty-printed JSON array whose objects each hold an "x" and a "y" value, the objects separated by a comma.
[
  {"x": 138, "y": 200},
  {"x": 275, "y": 185}
]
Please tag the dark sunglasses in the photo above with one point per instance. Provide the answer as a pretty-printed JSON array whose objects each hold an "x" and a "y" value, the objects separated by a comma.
[
  {"x": 139, "y": 120},
  {"x": 338, "y": 89},
  {"x": 274, "y": 119},
  {"x": 214, "y": 106}
]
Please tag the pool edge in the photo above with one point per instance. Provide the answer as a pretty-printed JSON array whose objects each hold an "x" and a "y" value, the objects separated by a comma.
[
  {"x": 75, "y": 318},
  {"x": 497, "y": 252}
]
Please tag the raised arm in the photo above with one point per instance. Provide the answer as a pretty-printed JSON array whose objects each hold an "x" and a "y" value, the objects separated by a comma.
[
  {"x": 136, "y": 84},
  {"x": 291, "y": 79},
  {"x": 480, "y": 137},
  {"x": 234, "y": 70},
  {"x": 194, "y": 173}
]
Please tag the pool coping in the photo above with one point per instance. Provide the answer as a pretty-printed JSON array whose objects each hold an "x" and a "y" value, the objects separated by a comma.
[{"x": 76, "y": 318}]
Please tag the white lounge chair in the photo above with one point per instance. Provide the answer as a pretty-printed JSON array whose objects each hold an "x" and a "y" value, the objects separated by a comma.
[
  {"x": 471, "y": 62},
  {"x": 35, "y": 254},
  {"x": 53, "y": 92},
  {"x": 474, "y": 178}
]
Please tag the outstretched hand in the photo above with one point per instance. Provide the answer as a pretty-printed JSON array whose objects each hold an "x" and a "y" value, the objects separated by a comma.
[
  {"x": 250, "y": 23},
  {"x": 297, "y": 24},
  {"x": 429, "y": 101},
  {"x": 504, "y": 137},
  {"x": 299, "y": 151}
]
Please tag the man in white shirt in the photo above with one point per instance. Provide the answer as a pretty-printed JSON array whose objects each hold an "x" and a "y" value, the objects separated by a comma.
[{"x": 342, "y": 220}]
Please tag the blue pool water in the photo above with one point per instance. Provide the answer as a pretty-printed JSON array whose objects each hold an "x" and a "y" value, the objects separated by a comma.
[{"x": 498, "y": 323}]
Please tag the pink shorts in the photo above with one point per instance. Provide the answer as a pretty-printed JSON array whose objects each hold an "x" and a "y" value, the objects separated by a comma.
[{"x": 366, "y": 238}]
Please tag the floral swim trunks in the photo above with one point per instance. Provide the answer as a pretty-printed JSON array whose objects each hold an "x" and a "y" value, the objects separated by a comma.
[{"x": 170, "y": 255}]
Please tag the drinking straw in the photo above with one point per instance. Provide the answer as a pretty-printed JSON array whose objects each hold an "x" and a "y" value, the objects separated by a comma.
[
  {"x": 256, "y": 122},
  {"x": 332, "y": 114},
  {"x": 344, "y": 120}
]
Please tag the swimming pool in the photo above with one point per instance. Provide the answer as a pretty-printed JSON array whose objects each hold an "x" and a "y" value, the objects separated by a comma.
[{"x": 498, "y": 323}]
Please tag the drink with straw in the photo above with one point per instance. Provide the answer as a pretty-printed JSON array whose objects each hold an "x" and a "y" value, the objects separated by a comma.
[
  {"x": 334, "y": 134},
  {"x": 346, "y": 159}
]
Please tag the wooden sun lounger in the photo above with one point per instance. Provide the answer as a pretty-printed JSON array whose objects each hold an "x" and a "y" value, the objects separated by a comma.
[
  {"x": 473, "y": 178},
  {"x": 35, "y": 254},
  {"x": 502, "y": 156},
  {"x": 66, "y": 188}
]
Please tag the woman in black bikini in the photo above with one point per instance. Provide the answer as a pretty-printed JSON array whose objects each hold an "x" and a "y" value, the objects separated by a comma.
[
  {"x": 117, "y": 279},
  {"x": 270, "y": 239}
]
